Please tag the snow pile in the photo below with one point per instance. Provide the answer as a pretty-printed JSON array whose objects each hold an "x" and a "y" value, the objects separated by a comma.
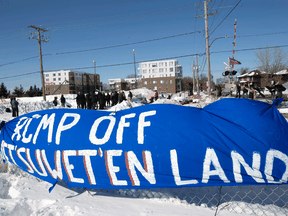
[{"x": 23, "y": 194}]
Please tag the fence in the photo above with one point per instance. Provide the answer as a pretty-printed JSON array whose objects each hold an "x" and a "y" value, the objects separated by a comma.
[{"x": 260, "y": 200}]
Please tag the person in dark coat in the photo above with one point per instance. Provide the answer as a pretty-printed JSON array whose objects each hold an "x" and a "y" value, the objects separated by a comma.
[
  {"x": 14, "y": 107},
  {"x": 55, "y": 102},
  {"x": 114, "y": 98},
  {"x": 156, "y": 95},
  {"x": 62, "y": 99},
  {"x": 101, "y": 100},
  {"x": 78, "y": 100},
  {"x": 130, "y": 95},
  {"x": 120, "y": 97},
  {"x": 238, "y": 89},
  {"x": 273, "y": 89},
  {"x": 108, "y": 99},
  {"x": 89, "y": 101},
  {"x": 279, "y": 90},
  {"x": 245, "y": 92},
  {"x": 94, "y": 98},
  {"x": 83, "y": 101}
]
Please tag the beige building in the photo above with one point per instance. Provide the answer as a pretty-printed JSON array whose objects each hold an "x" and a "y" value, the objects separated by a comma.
[
  {"x": 163, "y": 76},
  {"x": 70, "y": 82}
]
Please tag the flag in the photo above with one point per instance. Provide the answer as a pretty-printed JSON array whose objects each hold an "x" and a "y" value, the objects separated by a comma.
[{"x": 234, "y": 61}]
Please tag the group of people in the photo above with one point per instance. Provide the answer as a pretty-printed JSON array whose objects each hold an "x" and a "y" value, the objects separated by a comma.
[
  {"x": 62, "y": 100},
  {"x": 99, "y": 100},
  {"x": 249, "y": 91}
]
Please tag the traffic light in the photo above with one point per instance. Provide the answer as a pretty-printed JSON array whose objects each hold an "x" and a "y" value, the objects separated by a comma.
[
  {"x": 232, "y": 73},
  {"x": 226, "y": 73}
]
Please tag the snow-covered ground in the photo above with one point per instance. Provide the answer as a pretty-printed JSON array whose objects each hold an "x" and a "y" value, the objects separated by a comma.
[{"x": 23, "y": 194}]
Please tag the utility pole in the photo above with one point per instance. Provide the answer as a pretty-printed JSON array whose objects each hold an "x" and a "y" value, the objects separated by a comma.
[
  {"x": 40, "y": 53},
  {"x": 135, "y": 69},
  {"x": 95, "y": 78},
  {"x": 234, "y": 42},
  {"x": 193, "y": 76},
  {"x": 207, "y": 42},
  {"x": 197, "y": 75}
]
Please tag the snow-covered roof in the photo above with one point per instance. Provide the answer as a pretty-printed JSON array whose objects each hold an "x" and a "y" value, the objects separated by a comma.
[
  {"x": 252, "y": 73},
  {"x": 285, "y": 71}
]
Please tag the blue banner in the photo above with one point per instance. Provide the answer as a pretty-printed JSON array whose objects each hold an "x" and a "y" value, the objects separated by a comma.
[{"x": 229, "y": 142}]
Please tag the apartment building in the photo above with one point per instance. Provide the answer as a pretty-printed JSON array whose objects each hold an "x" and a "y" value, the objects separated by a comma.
[
  {"x": 163, "y": 76},
  {"x": 70, "y": 82},
  {"x": 124, "y": 84}
]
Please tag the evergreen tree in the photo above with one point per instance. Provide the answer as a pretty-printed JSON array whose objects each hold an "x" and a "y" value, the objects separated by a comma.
[{"x": 3, "y": 90}]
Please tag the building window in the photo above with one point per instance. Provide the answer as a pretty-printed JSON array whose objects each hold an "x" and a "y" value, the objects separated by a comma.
[
  {"x": 171, "y": 63},
  {"x": 47, "y": 75},
  {"x": 160, "y": 64},
  {"x": 144, "y": 71},
  {"x": 64, "y": 74},
  {"x": 59, "y": 74},
  {"x": 154, "y": 82},
  {"x": 154, "y": 64},
  {"x": 159, "y": 87},
  {"x": 161, "y": 70},
  {"x": 54, "y": 74},
  {"x": 161, "y": 81},
  {"x": 170, "y": 81},
  {"x": 171, "y": 69},
  {"x": 166, "y": 81},
  {"x": 145, "y": 82},
  {"x": 47, "y": 80},
  {"x": 59, "y": 79},
  {"x": 76, "y": 74},
  {"x": 165, "y": 64},
  {"x": 165, "y": 69},
  {"x": 154, "y": 70},
  {"x": 155, "y": 88},
  {"x": 54, "y": 79}
]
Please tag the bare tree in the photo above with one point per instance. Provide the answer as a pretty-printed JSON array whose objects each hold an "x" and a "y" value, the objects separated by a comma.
[
  {"x": 243, "y": 70},
  {"x": 271, "y": 60},
  {"x": 187, "y": 83}
]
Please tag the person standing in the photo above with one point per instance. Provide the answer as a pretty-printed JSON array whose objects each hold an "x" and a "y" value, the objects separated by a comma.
[
  {"x": 252, "y": 93},
  {"x": 156, "y": 95},
  {"x": 273, "y": 89},
  {"x": 78, "y": 100},
  {"x": 62, "y": 99},
  {"x": 238, "y": 90},
  {"x": 245, "y": 92},
  {"x": 14, "y": 107},
  {"x": 130, "y": 95},
  {"x": 55, "y": 102},
  {"x": 83, "y": 101}
]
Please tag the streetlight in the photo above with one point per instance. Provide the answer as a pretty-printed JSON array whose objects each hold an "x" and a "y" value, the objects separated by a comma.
[
  {"x": 135, "y": 68},
  {"x": 95, "y": 78},
  {"x": 208, "y": 63}
]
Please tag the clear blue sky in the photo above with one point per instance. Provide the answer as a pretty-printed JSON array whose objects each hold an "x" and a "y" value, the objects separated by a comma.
[{"x": 91, "y": 24}]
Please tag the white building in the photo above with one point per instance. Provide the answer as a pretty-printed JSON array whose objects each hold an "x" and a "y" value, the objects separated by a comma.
[
  {"x": 155, "y": 69},
  {"x": 70, "y": 82}
]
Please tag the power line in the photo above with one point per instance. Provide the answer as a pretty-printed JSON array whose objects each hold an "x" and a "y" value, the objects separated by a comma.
[
  {"x": 160, "y": 59},
  {"x": 275, "y": 33},
  {"x": 225, "y": 17},
  {"x": 127, "y": 44},
  {"x": 22, "y": 60}
]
